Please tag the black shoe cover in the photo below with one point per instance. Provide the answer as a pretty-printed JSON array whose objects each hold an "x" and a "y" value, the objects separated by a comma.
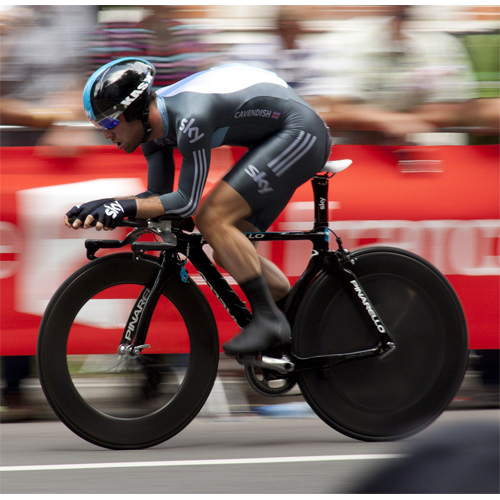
[{"x": 260, "y": 334}]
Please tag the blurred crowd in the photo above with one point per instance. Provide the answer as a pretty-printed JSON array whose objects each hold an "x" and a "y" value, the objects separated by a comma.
[{"x": 377, "y": 79}]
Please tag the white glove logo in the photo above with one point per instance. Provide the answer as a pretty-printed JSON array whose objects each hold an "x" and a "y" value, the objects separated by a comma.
[{"x": 113, "y": 209}]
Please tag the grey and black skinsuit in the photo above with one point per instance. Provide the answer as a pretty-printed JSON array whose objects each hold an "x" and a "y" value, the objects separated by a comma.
[{"x": 287, "y": 142}]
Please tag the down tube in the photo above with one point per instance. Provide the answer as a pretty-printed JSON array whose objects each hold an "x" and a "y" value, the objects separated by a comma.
[{"x": 221, "y": 288}]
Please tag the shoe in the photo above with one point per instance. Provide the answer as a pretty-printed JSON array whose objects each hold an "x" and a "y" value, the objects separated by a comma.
[{"x": 260, "y": 334}]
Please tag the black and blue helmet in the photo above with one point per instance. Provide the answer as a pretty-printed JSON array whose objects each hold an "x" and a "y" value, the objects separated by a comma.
[{"x": 121, "y": 86}]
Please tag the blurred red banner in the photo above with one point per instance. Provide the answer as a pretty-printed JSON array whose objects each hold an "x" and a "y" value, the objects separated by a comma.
[{"x": 439, "y": 202}]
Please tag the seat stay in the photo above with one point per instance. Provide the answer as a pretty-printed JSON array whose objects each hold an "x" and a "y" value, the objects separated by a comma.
[{"x": 339, "y": 262}]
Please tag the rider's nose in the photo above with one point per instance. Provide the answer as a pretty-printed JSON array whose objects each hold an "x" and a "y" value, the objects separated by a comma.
[{"x": 107, "y": 133}]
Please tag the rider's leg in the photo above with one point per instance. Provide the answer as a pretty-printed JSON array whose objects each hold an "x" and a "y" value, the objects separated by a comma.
[
  {"x": 257, "y": 189},
  {"x": 276, "y": 280},
  {"x": 217, "y": 219}
]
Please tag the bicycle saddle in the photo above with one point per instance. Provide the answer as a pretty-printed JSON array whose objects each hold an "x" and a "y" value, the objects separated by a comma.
[{"x": 334, "y": 167}]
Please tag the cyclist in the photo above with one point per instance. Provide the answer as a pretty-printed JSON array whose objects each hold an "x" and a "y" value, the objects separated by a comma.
[{"x": 287, "y": 144}]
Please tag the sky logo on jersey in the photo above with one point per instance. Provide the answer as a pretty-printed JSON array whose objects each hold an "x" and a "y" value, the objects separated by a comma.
[
  {"x": 192, "y": 132},
  {"x": 258, "y": 177}
]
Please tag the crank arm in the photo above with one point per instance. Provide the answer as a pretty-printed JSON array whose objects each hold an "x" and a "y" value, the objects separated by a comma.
[{"x": 283, "y": 365}]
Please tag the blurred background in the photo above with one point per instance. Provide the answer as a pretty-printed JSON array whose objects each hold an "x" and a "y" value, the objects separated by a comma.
[{"x": 410, "y": 93}]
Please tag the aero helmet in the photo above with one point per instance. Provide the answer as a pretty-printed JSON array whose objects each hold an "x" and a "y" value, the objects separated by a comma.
[{"x": 121, "y": 86}]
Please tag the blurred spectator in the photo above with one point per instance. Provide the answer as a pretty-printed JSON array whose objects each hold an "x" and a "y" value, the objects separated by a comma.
[
  {"x": 286, "y": 52},
  {"x": 176, "y": 49},
  {"x": 41, "y": 82},
  {"x": 376, "y": 78},
  {"x": 41, "y": 74},
  {"x": 390, "y": 81}
]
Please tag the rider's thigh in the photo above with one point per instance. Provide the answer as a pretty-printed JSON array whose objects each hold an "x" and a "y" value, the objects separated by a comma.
[
  {"x": 269, "y": 173},
  {"x": 224, "y": 205}
]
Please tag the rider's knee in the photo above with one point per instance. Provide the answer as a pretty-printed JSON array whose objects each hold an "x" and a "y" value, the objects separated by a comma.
[
  {"x": 205, "y": 220},
  {"x": 210, "y": 220}
]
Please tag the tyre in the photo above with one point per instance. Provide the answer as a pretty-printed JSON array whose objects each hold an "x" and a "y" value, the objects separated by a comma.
[
  {"x": 392, "y": 397},
  {"x": 118, "y": 402}
]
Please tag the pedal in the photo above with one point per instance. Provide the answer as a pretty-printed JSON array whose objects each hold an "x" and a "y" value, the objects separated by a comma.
[{"x": 281, "y": 365}]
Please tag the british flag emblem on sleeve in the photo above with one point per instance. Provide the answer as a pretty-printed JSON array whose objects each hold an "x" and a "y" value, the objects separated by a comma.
[{"x": 276, "y": 115}]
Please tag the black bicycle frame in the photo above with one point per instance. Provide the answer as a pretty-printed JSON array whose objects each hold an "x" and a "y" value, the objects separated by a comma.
[{"x": 191, "y": 246}]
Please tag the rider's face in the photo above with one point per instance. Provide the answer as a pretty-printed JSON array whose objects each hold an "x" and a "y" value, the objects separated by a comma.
[{"x": 126, "y": 135}]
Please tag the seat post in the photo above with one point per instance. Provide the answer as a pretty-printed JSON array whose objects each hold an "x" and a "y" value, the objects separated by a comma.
[{"x": 320, "y": 190}]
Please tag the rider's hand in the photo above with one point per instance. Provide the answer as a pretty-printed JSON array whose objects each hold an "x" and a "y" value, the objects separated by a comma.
[
  {"x": 110, "y": 214},
  {"x": 80, "y": 212}
]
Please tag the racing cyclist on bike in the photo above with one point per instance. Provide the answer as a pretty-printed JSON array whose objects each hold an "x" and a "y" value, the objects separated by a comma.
[{"x": 287, "y": 144}]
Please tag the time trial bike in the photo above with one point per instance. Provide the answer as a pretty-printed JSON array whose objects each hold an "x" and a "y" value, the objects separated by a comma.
[{"x": 128, "y": 347}]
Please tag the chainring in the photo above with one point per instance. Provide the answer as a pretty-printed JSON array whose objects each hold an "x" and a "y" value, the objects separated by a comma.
[{"x": 269, "y": 382}]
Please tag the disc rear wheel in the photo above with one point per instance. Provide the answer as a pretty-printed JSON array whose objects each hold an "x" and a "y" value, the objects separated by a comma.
[{"x": 383, "y": 398}]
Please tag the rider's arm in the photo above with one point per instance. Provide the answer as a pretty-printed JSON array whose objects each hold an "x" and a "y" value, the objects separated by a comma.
[
  {"x": 193, "y": 174},
  {"x": 159, "y": 199},
  {"x": 161, "y": 174},
  {"x": 195, "y": 148},
  {"x": 161, "y": 169}
]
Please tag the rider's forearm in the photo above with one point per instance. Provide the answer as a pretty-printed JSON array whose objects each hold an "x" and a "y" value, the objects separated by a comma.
[
  {"x": 152, "y": 206},
  {"x": 149, "y": 207},
  {"x": 146, "y": 207}
]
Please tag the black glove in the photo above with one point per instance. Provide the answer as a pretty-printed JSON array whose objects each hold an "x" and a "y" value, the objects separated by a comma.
[
  {"x": 81, "y": 211},
  {"x": 111, "y": 213}
]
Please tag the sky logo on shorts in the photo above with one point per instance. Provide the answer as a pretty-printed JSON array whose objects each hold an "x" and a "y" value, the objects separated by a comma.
[{"x": 258, "y": 177}]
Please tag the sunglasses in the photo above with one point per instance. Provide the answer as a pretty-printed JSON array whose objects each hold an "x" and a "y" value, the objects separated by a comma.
[
  {"x": 107, "y": 123},
  {"x": 109, "y": 119}
]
